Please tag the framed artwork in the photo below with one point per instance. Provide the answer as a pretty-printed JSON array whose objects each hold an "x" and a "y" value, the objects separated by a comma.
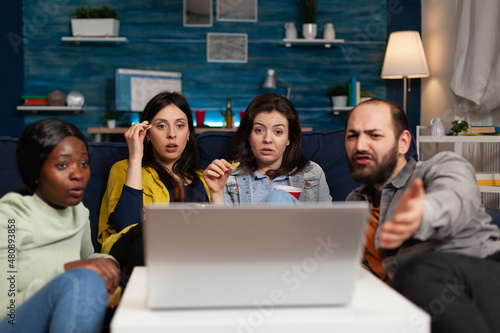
[
  {"x": 198, "y": 13},
  {"x": 226, "y": 47},
  {"x": 237, "y": 10}
]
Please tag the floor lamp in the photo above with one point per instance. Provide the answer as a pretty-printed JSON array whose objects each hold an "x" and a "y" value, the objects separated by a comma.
[{"x": 404, "y": 59}]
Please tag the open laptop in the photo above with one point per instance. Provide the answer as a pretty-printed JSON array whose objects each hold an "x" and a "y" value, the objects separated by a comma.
[{"x": 206, "y": 256}]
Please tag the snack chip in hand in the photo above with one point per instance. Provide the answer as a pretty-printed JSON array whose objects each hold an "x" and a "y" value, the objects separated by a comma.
[{"x": 235, "y": 165}]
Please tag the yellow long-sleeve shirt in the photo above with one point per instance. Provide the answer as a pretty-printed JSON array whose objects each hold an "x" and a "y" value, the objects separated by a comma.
[{"x": 154, "y": 191}]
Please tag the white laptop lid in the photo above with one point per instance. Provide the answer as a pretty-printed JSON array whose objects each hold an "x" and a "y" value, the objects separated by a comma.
[{"x": 243, "y": 256}]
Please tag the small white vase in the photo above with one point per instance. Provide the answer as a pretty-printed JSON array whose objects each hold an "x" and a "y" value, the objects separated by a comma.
[
  {"x": 329, "y": 32},
  {"x": 309, "y": 30},
  {"x": 290, "y": 31},
  {"x": 340, "y": 101},
  {"x": 111, "y": 123},
  {"x": 437, "y": 127}
]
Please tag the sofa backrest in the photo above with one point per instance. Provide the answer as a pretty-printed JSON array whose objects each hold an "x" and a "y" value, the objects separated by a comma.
[
  {"x": 324, "y": 147},
  {"x": 102, "y": 157}
]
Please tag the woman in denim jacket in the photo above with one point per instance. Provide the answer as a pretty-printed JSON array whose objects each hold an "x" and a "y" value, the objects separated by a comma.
[{"x": 269, "y": 154}]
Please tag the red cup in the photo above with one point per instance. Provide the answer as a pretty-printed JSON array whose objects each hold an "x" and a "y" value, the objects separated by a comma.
[
  {"x": 241, "y": 115},
  {"x": 295, "y": 191},
  {"x": 200, "y": 117}
]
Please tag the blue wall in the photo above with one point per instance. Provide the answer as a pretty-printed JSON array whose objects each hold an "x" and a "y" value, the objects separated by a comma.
[
  {"x": 11, "y": 69},
  {"x": 158, "y": 41},
  {"x": 405, "y": 15}
]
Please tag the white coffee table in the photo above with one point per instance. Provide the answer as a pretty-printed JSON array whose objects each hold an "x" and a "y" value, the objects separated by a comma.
[{"x": 375, "y": 308}]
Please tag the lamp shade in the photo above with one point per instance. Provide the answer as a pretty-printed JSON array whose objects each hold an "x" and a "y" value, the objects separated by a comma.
[
  {"x": 404, "y": 56},
  {"x": 270, "y": 81}
]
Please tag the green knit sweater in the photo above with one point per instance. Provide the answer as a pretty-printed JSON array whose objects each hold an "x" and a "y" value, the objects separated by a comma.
[{"x": 36, "y": 241}]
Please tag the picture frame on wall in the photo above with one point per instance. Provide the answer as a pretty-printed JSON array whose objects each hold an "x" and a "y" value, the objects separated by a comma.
[
  {"x": 237, "y": 10},
  {"x": 227, "y": 47},
  {"x": 198, "y": 13}
]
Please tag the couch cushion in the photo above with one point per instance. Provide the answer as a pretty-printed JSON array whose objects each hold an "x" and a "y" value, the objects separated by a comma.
[
  {"x": 495, "y": 216},
  {"x": 102, "y": 157},
  {"x": 10, "y": 179}
]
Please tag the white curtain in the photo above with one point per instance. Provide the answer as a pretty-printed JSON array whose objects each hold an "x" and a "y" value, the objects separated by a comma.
[{"x": 476, "y": 77}]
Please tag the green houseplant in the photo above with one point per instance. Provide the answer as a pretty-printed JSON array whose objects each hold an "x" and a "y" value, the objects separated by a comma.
[
  {"x": 338, "y": 90},
  {"x": 90, "y": 12},
  {"x": 111, "y": 118},
  {"x": 307, "y": 10},
  {"x": 96, "y": 22},
  {"x": 365, "y": 95},
  {"x": 338, "y": 95},
  {"x": 459, "y": 127}
]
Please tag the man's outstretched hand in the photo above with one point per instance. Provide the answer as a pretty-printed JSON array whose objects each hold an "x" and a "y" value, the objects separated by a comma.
[{"x": 407, "y": 218}]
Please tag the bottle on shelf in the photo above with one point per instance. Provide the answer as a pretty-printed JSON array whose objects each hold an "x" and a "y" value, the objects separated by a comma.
[
  {"x": 228, "y": 115},
  {"x": 179, "y": 192}
]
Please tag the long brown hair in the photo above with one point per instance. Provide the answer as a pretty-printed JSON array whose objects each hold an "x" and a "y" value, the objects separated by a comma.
[{"x": 294, "y": 159}]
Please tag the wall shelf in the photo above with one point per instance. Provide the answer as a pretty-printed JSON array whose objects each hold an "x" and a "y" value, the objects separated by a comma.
[
  {"x": 78, "y": 40},
  {"x": 309, "y": 42},
  {"x": 489, "y": 189},
  {"x": 457, "y": 139},
  {"x": 338, "y": 109},
  {"x": 47, "y": 108}
]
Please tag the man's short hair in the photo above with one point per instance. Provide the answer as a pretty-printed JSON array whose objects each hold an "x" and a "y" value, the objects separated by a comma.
[{"x": 399, "y": 118}]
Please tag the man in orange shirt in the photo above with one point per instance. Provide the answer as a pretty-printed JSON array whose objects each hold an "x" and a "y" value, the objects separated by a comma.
[{"x": 428, "y": 231}]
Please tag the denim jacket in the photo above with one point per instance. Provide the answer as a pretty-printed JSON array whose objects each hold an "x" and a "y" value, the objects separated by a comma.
[
  {"x": 311, "y": 180},
  {"x": 454, "y": 219}
]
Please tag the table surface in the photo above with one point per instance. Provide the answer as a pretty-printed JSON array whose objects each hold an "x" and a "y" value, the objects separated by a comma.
[{"x": 375, "y": 308}]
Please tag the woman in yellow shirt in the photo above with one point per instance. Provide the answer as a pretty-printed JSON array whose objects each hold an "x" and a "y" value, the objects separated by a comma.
[{"x": 162, "y": 154}]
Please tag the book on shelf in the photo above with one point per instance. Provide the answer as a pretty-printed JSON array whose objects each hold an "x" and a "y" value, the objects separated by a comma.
[
  {"x": 478, "y": 134},
  {"x": 354, "y": 87},
  {"x": 34, "y": 100},
  {"x": 488, "y": 178},
  {"x": 485, "y": 129}
]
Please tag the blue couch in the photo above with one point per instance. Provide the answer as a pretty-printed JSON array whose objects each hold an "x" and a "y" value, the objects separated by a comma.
[{"x": 324, "y": 147}]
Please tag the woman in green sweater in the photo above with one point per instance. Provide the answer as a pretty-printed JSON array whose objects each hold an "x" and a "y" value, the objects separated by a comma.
[{"x": 50, "y": 277}]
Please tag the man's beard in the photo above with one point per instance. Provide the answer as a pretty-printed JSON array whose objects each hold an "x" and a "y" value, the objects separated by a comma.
[{"x": 378, "y": 172}]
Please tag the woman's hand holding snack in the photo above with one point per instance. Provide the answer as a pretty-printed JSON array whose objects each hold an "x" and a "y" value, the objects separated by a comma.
[
  {"x": 135, "y": 141},
  {"x": 216, "y": 175},
  {"x": 134, "y": 137}
]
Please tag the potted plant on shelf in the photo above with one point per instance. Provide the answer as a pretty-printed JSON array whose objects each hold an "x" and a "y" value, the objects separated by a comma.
[
  {"x": 338, "y": 94},
  {"x": 459, "y": 127},
  {"x": 95, "y": 22},
  {"x": 111, "y": 118},
  {"x": 365, "y": 95},
  {"x": 307, "y": 9}
]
